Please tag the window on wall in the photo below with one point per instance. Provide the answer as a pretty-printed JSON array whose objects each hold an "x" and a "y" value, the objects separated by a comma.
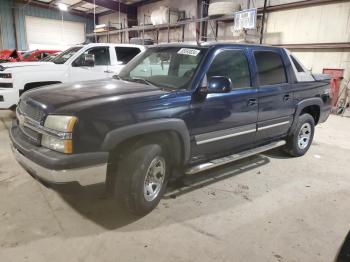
[
  {"x": 232, "y": 64},
  {"x": 271, "y": 70}
]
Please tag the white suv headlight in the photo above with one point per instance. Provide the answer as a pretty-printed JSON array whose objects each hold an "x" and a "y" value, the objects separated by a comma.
[
  {"x": 62, "y": 128},
  {"x": 5, "y": 75}
]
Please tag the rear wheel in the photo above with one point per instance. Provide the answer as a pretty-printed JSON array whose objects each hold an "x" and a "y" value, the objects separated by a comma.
[
  {"x": 298, "y": 143},
  {"x": 142, "y": 176}
]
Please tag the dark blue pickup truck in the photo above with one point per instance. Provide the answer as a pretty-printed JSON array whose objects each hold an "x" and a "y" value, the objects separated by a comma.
[{"x": 175, "y": 109}]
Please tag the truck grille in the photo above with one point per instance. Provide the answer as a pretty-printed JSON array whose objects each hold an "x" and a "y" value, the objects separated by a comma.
[
  {"x": 31, "y": 111},
  {"x": 6, "y": 85},
  {"x": 33, "y": 136}
]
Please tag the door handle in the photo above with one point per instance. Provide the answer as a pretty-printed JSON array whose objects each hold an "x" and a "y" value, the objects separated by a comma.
[
  {"x": 286, "y": 98},
  {"x": 108, "y": 71},
  {"x": 252, "y": 102}
]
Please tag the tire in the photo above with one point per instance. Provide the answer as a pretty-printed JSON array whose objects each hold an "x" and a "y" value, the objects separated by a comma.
[
  {"x": 297, "y": 145},
  {"x": 135, "y": 179}
]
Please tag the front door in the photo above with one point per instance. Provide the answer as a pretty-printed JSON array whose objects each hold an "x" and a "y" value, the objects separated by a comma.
[
  {"x": 100, "y": 70},
  {"x": 225, "y": 122}
]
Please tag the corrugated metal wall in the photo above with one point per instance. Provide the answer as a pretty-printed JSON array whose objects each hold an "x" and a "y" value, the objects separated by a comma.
[
  {"x": 8, "y": 8},
  {"x": 317, "y": 24},
  {"x": 7, "y": 28}
]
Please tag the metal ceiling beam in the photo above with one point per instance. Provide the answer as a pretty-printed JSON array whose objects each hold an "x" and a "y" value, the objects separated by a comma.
[
  {"x": 146, "y": 2},
  {"x": 79, "y": 4},
  {"x": 53, "y": 2},
  {"x": 106, "y": 13},
  {"x": 114, "y": 5},
  {"x": 48, "y": 6},
  {"x": 97, "y": 9},
  {"x": 300, "y": 4}
]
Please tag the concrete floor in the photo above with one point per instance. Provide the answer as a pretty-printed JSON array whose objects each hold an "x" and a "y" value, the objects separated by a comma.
[{"x": 266, "y": 208}]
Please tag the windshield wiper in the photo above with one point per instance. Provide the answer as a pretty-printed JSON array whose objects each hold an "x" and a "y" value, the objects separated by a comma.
[
  {"x": 117, "y": 77},
  {"x": 130, "y": 79},
  {"x": 143, "y": 80}
]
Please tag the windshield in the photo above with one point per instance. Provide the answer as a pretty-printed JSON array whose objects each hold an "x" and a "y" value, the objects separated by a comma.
[
  {"x": 64, "y": 56},
  {"x": 27, "y": 54},
  {"x": 49, "y": 57},
  {"x": 171, "y": 67}
]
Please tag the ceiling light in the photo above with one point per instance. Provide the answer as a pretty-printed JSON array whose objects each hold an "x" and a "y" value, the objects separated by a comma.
[{"x": 62, "y": 7}]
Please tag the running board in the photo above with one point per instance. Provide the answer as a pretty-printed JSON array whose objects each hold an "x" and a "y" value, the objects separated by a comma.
[{"x": 232, "y": 158}]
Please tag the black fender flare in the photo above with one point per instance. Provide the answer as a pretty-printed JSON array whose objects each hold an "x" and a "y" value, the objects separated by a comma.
[
  {"x": 117, "y": 136},
  {"x": 31, "y": 85},
  {"x": 40, "y": 84},
  {"x": 315, "y": 101}
]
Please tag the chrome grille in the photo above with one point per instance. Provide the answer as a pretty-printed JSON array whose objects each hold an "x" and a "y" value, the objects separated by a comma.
[
  {"x": 32, "y": 135},
  {"x": 31, "y": 111}
]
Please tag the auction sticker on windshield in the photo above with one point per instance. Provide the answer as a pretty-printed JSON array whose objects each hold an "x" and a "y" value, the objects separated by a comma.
[{"x": 189, "y": 51}]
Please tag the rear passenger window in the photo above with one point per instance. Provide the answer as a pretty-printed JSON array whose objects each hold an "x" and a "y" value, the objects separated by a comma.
[
  {"x": 125, "y": 54},
  {"x": 232, "y": 64},
  {"x": 297, "y": 65},
  {"x": 270, "y": 68}
]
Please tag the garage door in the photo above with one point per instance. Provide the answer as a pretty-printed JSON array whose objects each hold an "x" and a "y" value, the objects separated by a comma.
[{"x": 43, "y": 33}]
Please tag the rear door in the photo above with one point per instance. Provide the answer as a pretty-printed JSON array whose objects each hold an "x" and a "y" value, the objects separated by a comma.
[{"x": 275, "y": 97}]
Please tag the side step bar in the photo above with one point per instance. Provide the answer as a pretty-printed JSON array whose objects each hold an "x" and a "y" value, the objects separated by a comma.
[{"x": 232, "y": 158}]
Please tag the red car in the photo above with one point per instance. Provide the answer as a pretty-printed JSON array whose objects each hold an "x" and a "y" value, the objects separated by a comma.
[
  {"x": 12, "y": 55},
  {"x": 37, "y": 55}
]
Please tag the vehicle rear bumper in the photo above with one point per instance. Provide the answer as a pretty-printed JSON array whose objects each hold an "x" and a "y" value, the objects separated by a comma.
[
  {"x": 8, "y": 98},
  {"x": 54, "y": 167},
  {"x": 324, "y": 114}
]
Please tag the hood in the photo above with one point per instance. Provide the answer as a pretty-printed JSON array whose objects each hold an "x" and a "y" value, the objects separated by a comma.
[
  {"x": 74, "y": 97},
  {"x": 24, "y": 64}
]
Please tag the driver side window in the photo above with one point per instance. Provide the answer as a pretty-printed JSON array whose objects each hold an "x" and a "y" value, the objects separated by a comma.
[
  {"x": 232, "y": 64},
  {"x": 101, "y": 55}
]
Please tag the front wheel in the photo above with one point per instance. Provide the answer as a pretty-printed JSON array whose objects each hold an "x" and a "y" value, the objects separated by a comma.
[
  {"x": 299, "y": 142},
  {"x": 142, "y": 178}
]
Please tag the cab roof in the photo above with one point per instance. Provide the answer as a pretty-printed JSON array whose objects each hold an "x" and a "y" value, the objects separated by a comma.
[{"x": 215, "y": 44}]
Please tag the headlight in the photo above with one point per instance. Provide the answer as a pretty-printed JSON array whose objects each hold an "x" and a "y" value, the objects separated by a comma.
[
  {"x": 5, "y": 75},
  {"x": 60, "y": 129},
  {"x": 60, "y": 123}
]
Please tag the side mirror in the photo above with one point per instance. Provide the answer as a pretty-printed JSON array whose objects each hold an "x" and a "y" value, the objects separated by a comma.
[
  {"x": 219, "y": 84},
  {"x": 88, "y": 60}
]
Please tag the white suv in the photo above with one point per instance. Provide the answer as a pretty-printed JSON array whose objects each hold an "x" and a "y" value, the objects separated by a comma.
[{"x": 78, "y": 63}]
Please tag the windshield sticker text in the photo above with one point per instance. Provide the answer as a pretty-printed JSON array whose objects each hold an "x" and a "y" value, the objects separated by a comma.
[{"x": 188, "y": 51}]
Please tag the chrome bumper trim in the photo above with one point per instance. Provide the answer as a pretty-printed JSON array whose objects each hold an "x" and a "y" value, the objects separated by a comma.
[{"x": 84, "y": 176}]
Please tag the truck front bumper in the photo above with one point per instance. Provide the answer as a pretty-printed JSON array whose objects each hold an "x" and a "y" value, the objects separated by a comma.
[
  {"x": 57, "y": 168},
  {"x": 8, "y": 98}
]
